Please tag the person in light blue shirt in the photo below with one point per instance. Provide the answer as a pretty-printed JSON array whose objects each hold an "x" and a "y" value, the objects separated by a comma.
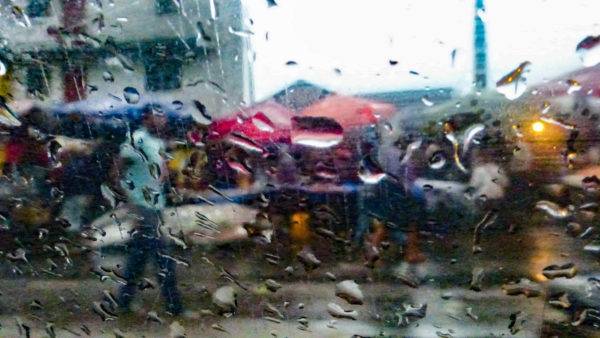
[{"x": 143, "y": 177}]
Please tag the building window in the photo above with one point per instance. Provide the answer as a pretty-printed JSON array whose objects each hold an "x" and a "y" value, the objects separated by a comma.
[
  {"x": 38, "y": 8},
  {"x": 166, "y": 6},
  {"x": 73, "y": 16},
  {"x": 163, "y": 71},
  {"x": 38, "y": 80},
  {"x": 74, "y": 83}
]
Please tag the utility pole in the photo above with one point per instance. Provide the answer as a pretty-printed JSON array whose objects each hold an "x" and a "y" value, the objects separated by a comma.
[
  {"x": 247, "y": 64},
  {"x": 480, "y": 44}
]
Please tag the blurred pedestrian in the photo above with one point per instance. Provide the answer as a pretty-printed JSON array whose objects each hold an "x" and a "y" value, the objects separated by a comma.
[{"x": 142, "y": 178}]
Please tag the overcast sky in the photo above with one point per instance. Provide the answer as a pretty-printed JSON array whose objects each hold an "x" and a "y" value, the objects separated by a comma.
[{"x": 361, "y": 37}]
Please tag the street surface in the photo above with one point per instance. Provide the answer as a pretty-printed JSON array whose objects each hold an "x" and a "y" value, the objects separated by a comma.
[{"x": 444, "y": 280}]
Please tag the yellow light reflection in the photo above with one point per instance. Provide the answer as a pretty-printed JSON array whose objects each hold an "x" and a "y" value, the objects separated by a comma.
[{"x": 538, "y": 127}]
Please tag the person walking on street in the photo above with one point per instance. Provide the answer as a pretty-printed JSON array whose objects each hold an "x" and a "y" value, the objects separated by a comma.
[{"x": 142, "y": 178}]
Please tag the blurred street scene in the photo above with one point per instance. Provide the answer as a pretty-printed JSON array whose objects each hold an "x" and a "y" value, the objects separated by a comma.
[{"x": 181, "y": 169}]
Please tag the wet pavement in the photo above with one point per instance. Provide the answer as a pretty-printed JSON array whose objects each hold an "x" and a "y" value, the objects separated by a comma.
[{"x": 457, "y": 303}]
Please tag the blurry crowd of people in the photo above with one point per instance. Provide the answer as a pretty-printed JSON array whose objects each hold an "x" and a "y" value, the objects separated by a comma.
[
  {"x": 60, "y": 172},
  {"x": 69, "y": 169}
]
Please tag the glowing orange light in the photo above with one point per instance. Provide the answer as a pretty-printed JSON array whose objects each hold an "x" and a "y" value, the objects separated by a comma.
[{"x": 538, "y": 127}]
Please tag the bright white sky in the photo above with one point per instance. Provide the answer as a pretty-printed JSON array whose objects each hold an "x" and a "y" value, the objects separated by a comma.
[{"x": 360, "y": 37}]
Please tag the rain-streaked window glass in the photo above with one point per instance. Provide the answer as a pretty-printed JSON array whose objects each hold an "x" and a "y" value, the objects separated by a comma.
[
  {"x": 38, "y": 8},
  {"x": 166, "y": 6},
  {"x": 287, "y": 168},
  {"x": 163, "y": 70},
  {"x": 37, "y": 79}
]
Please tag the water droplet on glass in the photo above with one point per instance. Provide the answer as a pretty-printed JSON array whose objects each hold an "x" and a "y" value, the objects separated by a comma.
[
  {"x": 177, "y": 105},
  {"x": 7, "y": 115},
  {"x": 574, "y": 86},
  {"x": 308, "y": 259},
  {"x": 102, "y": 310},
  {"x": 107, "y": 76},
  {"x": 244, "y": 33},
  {"x": 560, "y": 301},
  {"x": 555, "y": 271},
  {"x": 18, "y": 255},
  {"x": 409, "y": 311},
  {"x": 200, "y": 114},
  {"x": 337, "y": 311},
  {"x": 470, "y": 314},
  {"x": 176, "y": 330},
  {"x": 514, "y": 84},
  {"x": 57, "y": 194},
  {"x": 477, "y": 279},
  {"x": 154, "y": 169},
  {"x": 262, "y": 122},
  {"x": 588, "y": 50},
  {"x": 524, "y": 287},
  {"x": 53, "y": 153},
  {"x": 151, "y": 195},
  {"x": 272, "y": 285},
  {"x": 517, "y": 320},
  {"x": 369, "y": 171},
  {"x": 218, "y": 327},
  {"x": 131, "y": 95},
  {"x": 388, "y": 127},
  {"x": 437, "y": 160},
  {"x": 482, "y": 14},
  {"x": 349, "y": 291},
  {"x": 325, "y": 171},
  {"x": 129, "y": 184},
  {"x": 225, "y": 298},
  {"x": 553, "y": 209},
  {"x": 426, "y": 101},
  {"x": 272, "y": 310},
  {"x": 453, "y": 57},
  {"x": 545, "y": 108},
  {"x": 317, "y": 132},
  {"x": 245, "y": 143},
  {"x": 20, "y": 17},
  {"x": 303, "y": 321}
]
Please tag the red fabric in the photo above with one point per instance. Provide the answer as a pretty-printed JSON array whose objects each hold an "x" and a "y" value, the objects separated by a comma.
[
  {"x": 73, "y": 18},
  {"x": 19, "y": 151},
  {"x": 73, "y": 84},
  {"x": 247, "y": 120},
  {"x": 350, "y": 111},
  {"x": 14, "y": 152}
]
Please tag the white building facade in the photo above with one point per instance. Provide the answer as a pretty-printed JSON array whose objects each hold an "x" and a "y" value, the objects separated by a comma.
[{"x": 91, "y": 50}]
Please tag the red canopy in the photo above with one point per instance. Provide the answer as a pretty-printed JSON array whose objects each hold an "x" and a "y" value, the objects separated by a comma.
[
  {"x": 263, "y": 122},
  {"x": 350, "y": 111},
  {"x": 270, "y": 121}
]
